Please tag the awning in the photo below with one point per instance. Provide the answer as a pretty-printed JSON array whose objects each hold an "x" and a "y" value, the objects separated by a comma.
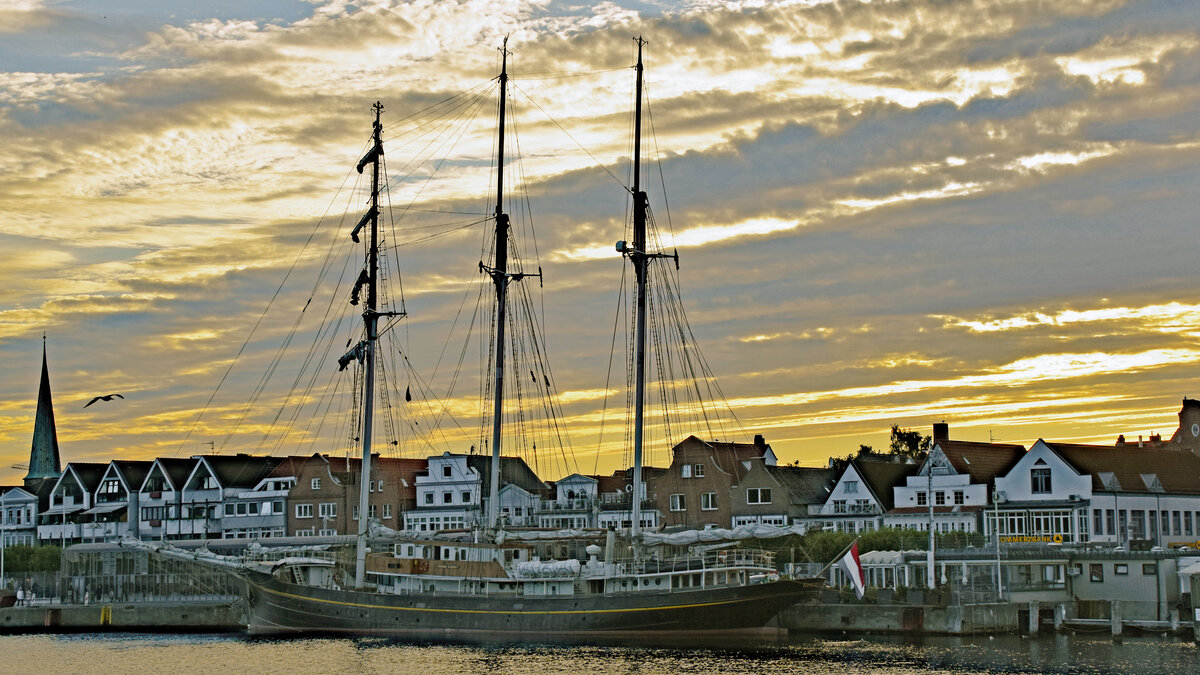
[
  {"x": 60, "y": 510},
  {"x": 1194, "y": 568},
  {"x": 105, "y": 508}
]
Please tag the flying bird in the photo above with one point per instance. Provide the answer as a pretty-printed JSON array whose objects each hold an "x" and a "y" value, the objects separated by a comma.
[{"x": 104, "y": 398}]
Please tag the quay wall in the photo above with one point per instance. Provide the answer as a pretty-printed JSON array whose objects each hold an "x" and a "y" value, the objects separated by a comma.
[
  {"x": 153, "y": 617},
  {"x": 926, "y": 619}
]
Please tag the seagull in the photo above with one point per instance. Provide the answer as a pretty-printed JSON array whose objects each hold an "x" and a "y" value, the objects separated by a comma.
[{"x": 104, "y": 398}]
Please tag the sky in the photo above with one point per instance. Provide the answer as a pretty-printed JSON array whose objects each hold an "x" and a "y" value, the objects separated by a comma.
[{"x": 887, "y": 213}]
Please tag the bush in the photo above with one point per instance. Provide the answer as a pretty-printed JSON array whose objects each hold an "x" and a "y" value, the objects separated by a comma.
[{"x": 21, "y": 559}]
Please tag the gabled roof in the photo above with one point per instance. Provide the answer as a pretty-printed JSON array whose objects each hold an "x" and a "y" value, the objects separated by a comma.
[
  {"x": 805, "y": 485},
  {"x": 727, "y": 454},
  {"x": 175, "y": 469},
  {"x": 881, "y": 477},
  {"x": 133, "y": 471},
  {"x": 239, "y": 471},
  {"x": 981, "y": 461},
  {"x": 1177, "y": 470},
  {"x": 513, "y": 470},
  {"x": 89, "y": 473}
]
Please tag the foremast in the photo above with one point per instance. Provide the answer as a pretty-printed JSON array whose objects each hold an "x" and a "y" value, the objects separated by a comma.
[
  {"x": 365, "y": 350},
  {"x": 641, "y": 265}
]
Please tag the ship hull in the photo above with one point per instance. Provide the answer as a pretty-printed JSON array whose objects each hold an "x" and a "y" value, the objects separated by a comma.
[{"x": 278, "y": 607}]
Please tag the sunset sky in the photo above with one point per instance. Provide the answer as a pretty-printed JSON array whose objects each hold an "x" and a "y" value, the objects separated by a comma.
[{"x": 983, "y": 212}]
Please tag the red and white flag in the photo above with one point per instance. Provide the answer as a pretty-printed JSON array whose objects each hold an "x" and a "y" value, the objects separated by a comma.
[{"x": 852, "y": 568}]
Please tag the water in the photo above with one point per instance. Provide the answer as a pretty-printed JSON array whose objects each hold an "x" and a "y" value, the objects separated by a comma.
[{"x": 177, "y": 654}]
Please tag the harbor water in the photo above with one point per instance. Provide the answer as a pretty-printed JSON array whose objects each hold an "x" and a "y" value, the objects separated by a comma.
[{"x": 190, "y": 653}]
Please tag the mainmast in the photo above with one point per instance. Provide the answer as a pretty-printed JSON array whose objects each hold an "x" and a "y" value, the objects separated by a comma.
[
  {"x": 641, "y": 265},
  {"x": 365, "y": 350},
  {"x": 500, "y": 277}
]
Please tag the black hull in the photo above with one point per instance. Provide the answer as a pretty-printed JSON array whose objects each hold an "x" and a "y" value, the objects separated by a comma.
[{"x": 277, "y": 607}]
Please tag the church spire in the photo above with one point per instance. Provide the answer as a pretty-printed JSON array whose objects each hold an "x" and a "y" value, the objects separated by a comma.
[{"x": 44, "y": 460}]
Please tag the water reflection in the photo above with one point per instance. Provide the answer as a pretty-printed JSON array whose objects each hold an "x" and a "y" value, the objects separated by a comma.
[{"x": 806, "y": 654}]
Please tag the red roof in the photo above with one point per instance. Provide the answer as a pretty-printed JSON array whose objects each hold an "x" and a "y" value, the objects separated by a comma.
[
  {"x": 981, "y": 461},
  {"x": 1177, "y": 470}
]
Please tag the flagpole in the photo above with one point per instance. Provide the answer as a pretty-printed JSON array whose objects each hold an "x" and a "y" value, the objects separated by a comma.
[{"x": 838, "y": 557}]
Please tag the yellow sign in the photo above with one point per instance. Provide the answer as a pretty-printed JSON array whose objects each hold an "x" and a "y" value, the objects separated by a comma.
[{"x": 1031, "y": 540}]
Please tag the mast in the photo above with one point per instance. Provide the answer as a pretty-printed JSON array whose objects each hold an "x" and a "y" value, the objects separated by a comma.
[
  {"x": 640, "y": 268},
  {"x": 371, "y": 326},
  {"x": 500, "y": 277}
]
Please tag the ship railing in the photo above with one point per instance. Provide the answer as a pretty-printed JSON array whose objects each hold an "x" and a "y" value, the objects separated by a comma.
[{"x": 709, "y": 560}]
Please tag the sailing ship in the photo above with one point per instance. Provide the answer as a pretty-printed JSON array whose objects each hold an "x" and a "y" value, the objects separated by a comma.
[{"x": 491, "y": 584}]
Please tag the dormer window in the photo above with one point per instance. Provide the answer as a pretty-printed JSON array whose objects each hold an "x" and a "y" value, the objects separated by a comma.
[
  {"x": 446, "y": 471},
  {"x": 698, "y": 470},
  {"x": 315, "y": 484},
  {"x": 1039, "y": 481}
]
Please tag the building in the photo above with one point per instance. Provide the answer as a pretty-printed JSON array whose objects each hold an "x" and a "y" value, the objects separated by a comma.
[
  {"x": 454, "y": 491},
  {"x": 616, "y": 499},
  {"x": 695, "y": 491},
  {"x": 18, "y": 516},
  {"x": 778, "y": 495},
  {"x": 115, "y": 510},
  {"x": 956, "y": 480},
  {"x": 219, "y": 482},
  {"x": 160, "y": 500},
  {"x": 325, "y": 498},
  {"x": 72, "y": 494},
  {"x": 862, "y": 494}
]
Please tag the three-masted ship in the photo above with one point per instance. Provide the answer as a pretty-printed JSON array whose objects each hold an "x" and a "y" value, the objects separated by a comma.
[{"x": 492, "y": 586}]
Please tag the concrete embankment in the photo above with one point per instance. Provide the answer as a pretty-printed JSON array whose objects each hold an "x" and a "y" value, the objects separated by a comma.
[
  {"x": 156, "y": 617},
  {"x": 864, "y": 618}
]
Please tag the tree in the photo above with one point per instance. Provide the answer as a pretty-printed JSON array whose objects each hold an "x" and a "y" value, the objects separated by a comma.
[{"x": 909, "y": 443}]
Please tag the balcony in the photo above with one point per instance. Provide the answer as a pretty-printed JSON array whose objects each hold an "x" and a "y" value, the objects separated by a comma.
[
  {"x": 624, "y": 501},
  {"x": 576, "y": 504}
]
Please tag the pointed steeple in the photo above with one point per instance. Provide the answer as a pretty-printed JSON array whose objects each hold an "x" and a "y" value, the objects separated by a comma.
[{"x": 44, "y": 461}]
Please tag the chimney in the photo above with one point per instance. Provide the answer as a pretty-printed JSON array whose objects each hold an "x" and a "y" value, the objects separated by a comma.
[
  {"x": 1121, "y": 440},
  {"x": 1140, "y": 440},
  {"x": 760, "y": 441},
  {"x": 941, "y": 431}
]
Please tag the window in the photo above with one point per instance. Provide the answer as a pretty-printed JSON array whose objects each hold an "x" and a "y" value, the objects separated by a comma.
[
  {"x": 229, "y": 509},
  {"x": 708, "y": 501},
  {"x": 1096, "y": 572},
  {"x": 304, "y": 510},
  {"x": 447, "y": 497},
  {"x": 429, "y": 498},
  {"x": 1153, "y": 523},
  {"x": 1165, "y": 520},
  {"x": 758, "y": 495},
  {"x": 685, "y": 471},
  {"x": 1039, "y": 481},
  {"x": 316, "y": 484},
  {"x": 328, "y": 532},
  {"x": 959, "y": 498},
  {"x": 1178, "y": 524},
  {"x": 1110, "y": 521},
  {"x": 111, "y": 487},
  {"x": 939, "y": 498},
  {"x": 328, "y": 510},
  {"x": 1098, "y": 521},
  {"x": 1149, "y": 568},
  {"x": 1187, "y": 523},
  {"x": 1121, "y": 569},
  {"x": 370, "y": 486},
  {"x": 354, "y": 512},
  {"x": 698, "y": 470},
  {"x": 371, "y": 512},
  {"x": 839, "y": 506},
  {"x": 446, "y": 471},
  {"x": 252, "y": 508},
  {"x": 466, "y": 497},
  {"x": 379, "y": 487},
  {"x": 387, "y": 511},
  {"x": 922, "y": 499},
  {"x": 678, "y": 503},
  {"x": 850, "y": 487}
]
